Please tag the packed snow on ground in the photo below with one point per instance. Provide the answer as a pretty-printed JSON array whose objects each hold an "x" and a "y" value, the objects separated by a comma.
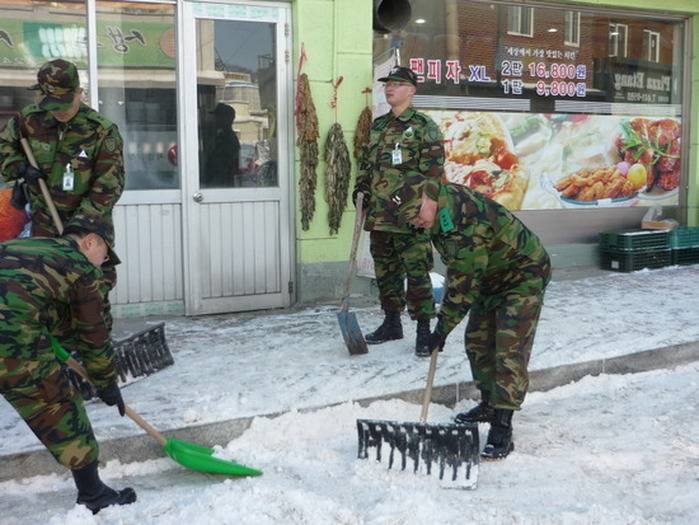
[
  {"x": 605, "y": 450},
  {"x": 250, "y": 364}
]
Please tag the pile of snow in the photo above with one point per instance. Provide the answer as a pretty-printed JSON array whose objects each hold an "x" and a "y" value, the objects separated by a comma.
[{"x": 610, "y": 449}]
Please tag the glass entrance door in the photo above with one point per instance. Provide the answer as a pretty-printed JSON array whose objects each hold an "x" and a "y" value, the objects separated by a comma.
[{"x": 236, "y": 170}]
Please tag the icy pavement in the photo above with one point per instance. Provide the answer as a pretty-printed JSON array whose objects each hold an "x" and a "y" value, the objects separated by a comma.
[
  {"x": 240, "y": 365},
  {"x": 606, "y": 450}
]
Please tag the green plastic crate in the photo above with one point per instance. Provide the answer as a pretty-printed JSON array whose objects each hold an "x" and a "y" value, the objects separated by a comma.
[
  {"x": 634, "y": 240},
  {"x": 685, "y": 237},
  {"x": 686, "y": 255},
  {"x": 631, "y": 261}
]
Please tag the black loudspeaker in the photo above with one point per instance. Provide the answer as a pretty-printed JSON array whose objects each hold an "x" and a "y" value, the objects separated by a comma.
[{"x": 391, "y": 15}]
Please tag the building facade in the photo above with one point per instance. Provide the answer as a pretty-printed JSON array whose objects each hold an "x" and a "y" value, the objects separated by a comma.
[{"x": 210, "y": 221}]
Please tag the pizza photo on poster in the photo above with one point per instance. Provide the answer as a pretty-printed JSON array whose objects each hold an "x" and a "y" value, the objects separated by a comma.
[{"x": 529, "y": 161}]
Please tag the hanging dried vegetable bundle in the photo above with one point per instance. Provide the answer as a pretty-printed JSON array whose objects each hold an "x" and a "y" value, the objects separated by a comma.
[
  {"x": 361, "y": 133},
  {"x": 337, "y": 175},
  {"x": 307, "y": 142}
]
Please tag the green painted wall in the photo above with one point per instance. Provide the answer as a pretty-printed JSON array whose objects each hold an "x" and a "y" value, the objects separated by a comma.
[{"x": 337, "y": 35}]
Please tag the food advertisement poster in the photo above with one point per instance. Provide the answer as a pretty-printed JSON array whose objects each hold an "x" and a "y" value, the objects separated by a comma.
[{"x": 531, "y": 161}]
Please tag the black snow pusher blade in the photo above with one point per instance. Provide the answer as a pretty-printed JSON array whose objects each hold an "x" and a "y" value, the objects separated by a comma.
[
  {"x": 450, "y": 451},
  {"x": 140, "y": 354}
]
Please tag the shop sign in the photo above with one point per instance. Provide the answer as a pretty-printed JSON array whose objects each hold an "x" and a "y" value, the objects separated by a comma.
[
  {"x": 239, "y": 12},
  {"x": 635, "y": 82},
  {"x": 140, "y": 44},
  {"x": 558, "y": 79}
]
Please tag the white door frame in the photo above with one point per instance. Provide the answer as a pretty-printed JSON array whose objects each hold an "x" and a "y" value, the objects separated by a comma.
[{"x": 271, "y": 12}]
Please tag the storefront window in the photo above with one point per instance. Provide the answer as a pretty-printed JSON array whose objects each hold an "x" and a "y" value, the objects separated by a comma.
[
  {"x": 31, "y": 33},
  {"x": 237, "y": 93},
  {"x": 136, "y": 55},
  {"x": 545, "y": 107}
]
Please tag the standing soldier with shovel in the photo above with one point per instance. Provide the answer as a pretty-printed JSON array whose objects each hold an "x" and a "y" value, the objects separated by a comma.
[
  {"x": 79, "y": 156},
  {"x": 403, "y": 143},
  {"x": 498, "y": 270}
]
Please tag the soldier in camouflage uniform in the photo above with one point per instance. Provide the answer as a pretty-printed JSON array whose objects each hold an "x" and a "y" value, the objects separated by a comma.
[
  {"x": 79, "y": 153},
  {"x": 403, "y": 143},
  {"x": 498, "y": 269},
  {"x": 43, "y": 281}
]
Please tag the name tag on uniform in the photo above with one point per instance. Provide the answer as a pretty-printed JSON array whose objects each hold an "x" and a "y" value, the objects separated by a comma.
[
  {"x": 445, "y": 221},
  {"x": 397, "y": 157},
  {"x": 68, "y": 178}
]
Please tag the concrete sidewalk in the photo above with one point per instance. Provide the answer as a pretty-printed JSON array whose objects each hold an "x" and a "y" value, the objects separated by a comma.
[{"x": 231, "y": 368}]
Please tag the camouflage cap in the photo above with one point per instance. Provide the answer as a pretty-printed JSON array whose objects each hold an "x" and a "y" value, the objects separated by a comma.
[
  {"x": 401, "y": 74},
  {"x": 57, "y": 80},
  {"x": 83, "y": 225}
]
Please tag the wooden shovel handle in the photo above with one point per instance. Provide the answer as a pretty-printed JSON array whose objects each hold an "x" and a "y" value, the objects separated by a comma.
[
  {"x": 427, "y": 395},
  {"x": 42, "y": 184},
  {"x": 358, "y": 223},
  {"x": 147, "y": 427}
]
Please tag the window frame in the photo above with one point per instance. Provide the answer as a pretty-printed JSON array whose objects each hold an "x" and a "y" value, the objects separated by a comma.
[
  {"x": 648, "y": 35},
  {"x": 520, "y": 10},
  {"x": 575, "y": 28},
  {"x": 616, "y": 26}
]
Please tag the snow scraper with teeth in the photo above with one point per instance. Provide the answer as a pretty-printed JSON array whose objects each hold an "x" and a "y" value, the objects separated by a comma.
[
  {"x": 140, "y": 354},
  {"x": 450, "y": 451}
]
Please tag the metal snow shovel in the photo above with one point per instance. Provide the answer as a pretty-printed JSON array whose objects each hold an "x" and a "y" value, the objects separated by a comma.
[
  {"x": 351, "y": 333},
  {"x": 189, "y": 455},
  {"x": 450, "y": 450},
  {"x": 141, "y": 354}
]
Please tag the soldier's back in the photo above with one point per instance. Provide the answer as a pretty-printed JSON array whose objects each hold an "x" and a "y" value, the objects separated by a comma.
[{"x": 38, "y": 272}]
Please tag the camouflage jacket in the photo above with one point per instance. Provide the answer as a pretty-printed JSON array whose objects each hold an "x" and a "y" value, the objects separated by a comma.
[
  {"x": 89, "y": 143},
  {"x": 488, "y": 253},
  {"x": 419, "y": 151},
  {"x": 43, "y": 280}
]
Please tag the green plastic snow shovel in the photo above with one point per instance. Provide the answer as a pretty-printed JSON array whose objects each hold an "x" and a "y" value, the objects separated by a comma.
[{"x": 189, "y": 455}]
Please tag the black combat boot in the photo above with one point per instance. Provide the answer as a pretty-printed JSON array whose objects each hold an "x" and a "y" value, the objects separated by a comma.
[
  {"x": 481, "y": 413},
  {"x": 499, "y": 443},
  {"x": 389, "y": 330},
  {"x": 94, "y": 494},
  {"x": 422, "y": 341}
]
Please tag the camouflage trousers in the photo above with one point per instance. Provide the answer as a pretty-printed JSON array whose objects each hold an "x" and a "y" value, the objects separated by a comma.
[
  {"x": 45, "y": 399},
  {"x": 397, "y": 256},
  {"x": 499, "y": 338}
]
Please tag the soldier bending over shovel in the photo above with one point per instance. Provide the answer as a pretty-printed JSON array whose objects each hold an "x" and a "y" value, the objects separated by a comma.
[
  {"x": 498, "y": 269},
  {"x": 43, "y": 281}
]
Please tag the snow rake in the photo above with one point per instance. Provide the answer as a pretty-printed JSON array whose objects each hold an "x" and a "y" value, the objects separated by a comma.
[
  {"x": 349, "y": 326},
  {"x": 189, "y": 455},
  {"x": 451, "y": 451},
  {"x": 141, "y": 354}
]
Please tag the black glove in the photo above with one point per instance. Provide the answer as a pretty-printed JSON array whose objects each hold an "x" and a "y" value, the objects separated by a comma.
[
  {"x": 111, "y": 395},
  {"x": 30, "y": 174},
  {"x": 19, "y": 197},
  {"x": 437, "y": 341},
  {"x": 365, "y": 200}
]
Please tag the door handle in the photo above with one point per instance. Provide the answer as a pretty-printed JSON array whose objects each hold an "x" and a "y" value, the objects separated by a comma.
[{"x": 198, "y": 196}]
